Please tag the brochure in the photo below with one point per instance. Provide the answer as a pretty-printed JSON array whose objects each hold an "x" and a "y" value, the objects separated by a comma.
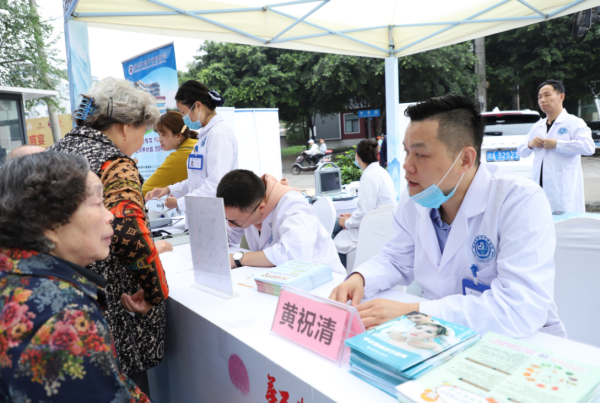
[
  {"x": 498, "y": 369},
  {"x": 302, "y": 275}
]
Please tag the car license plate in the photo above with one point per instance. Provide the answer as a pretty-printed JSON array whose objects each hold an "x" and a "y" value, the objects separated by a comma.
[{"x": 503, "y": 155}]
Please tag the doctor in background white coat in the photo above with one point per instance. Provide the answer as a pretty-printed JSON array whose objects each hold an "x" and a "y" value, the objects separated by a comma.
[
  {"x": 215, "y": 153},
  {"x": 558, "y": 142},
  {"x": 376, "y": 190},
  {"x": 279, "y": 224},
  {"x": 458, "y": 214}
]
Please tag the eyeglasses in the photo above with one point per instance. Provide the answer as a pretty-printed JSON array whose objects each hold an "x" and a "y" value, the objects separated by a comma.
[{"x": 240, "y": 226}]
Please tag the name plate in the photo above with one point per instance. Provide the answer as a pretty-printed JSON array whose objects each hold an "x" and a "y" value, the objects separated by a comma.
[{"x": 318, "y": 324}]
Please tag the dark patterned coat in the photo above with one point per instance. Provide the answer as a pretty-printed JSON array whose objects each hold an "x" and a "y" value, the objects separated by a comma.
[
  {"x": 133, "y": 262},
  {"x": 54, "y": 342}
]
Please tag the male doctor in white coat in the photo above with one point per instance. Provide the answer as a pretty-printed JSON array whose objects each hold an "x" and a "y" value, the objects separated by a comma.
[
  {"x": 279, "y": 224},
  {"x": 558, "y": 142},
  {"x": 462, "y": 224}
]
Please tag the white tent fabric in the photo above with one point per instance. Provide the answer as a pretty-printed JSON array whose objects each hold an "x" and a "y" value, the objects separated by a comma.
[{"x": 376, "y": 28}]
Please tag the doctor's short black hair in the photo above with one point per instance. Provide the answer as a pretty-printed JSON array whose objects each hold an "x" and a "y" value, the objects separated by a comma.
[
  {"x": 241, "y": 189},
  {"x": 556, "y": 84},
  {"x": 460, "y": 122}
]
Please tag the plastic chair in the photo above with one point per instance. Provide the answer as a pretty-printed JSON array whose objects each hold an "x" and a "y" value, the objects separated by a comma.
[
  {"x": 577, "y": 258},
  {"x": 374, "y": 231},
  {"x": 326, "y": 213}
]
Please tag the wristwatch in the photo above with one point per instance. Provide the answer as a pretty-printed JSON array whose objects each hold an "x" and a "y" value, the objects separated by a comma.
[{"x": 237, "y": 257}]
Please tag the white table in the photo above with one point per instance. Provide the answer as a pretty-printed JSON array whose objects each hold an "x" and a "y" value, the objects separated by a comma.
[{"x": 204, "y": 331}]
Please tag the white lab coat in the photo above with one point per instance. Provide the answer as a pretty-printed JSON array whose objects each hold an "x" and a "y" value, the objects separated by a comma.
[
  {"x": 218, "y": 146},
  {"x": 562, "y": 179},
  {"x": 376, "y": 190},
  {"x": 291, "y": 231},
  {"x": 502, "y": 210}
]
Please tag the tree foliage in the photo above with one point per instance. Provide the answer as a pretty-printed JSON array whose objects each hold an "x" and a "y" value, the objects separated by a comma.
[
  {"x": 303, "y": 84},
  {"x": 22, "y": 34},
  {"x": 349, "y": 171},
  {"x": 530, "y": 55}
]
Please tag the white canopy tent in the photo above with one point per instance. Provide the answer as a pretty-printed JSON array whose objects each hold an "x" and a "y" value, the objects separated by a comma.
[{"x": 377, "y": 28}]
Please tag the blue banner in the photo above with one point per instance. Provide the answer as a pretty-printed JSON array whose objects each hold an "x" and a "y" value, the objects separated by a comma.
[{"x": 155, "y": 72}]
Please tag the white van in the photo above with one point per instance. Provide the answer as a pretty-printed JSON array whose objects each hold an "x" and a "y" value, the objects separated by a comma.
[{"x": 504, "y": 131}]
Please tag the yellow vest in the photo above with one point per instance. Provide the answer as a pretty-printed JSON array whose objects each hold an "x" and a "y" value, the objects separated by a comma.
[{"x": 173, "y": 170}]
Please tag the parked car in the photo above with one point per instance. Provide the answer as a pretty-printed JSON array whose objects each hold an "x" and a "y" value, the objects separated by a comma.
[
  {"x": 504, "y": 131},
  {"x": 595, "y": 127}
]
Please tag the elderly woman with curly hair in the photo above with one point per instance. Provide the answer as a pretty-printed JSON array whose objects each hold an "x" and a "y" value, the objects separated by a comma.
[
  {"x": 55, "y": 344},
  {"x": 111, "y": 124}
]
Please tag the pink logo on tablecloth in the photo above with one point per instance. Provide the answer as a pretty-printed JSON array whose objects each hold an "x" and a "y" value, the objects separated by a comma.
[{"x": 239, "y": 375}]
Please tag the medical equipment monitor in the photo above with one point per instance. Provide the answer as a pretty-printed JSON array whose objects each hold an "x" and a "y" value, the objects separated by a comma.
[{"x": 328, "y": 181}]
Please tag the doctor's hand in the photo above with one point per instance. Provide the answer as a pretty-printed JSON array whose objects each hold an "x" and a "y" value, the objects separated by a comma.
[
  {"x": 342, "y": 221},
  {"x": 163, "y": 246},
  {"x": 550, "y": 144},
  {"x": 537, "y": 142},
  {"x": 377, "y": 311},
  {"x": 136, "y": 303},
  {"x": 351, "y": 289},
  {"x": 171, "y": 202},
  {"x": 157, "y": 193}
]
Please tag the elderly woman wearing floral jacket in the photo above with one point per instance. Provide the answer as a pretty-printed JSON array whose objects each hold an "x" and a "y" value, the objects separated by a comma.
[
  {"x": 112, "y": 121},
  {"x": 55, "y": 345}
]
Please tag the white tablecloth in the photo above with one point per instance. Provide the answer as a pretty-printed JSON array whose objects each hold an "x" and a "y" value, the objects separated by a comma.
[{"x": 204, "y": 331}]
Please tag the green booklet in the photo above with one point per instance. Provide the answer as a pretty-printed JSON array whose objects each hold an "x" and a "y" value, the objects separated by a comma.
[{"x": 499, "y": 369}]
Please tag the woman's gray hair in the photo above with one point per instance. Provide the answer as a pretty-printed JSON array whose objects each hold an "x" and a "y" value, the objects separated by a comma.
[
  {"x": 118, "y": 101},
  {"x": 39, "y": 192}
]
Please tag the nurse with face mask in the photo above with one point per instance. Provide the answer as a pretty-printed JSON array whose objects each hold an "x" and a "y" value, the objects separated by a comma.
[{"x": 215, "y": 153}]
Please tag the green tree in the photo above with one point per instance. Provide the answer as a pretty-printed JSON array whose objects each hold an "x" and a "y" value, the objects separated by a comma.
[
  {"x": 529, "y": 55},
  {"x": 22, "y": 34},
  {"x": 303, "y": 84},
  {"x": 350, "y": 172}
]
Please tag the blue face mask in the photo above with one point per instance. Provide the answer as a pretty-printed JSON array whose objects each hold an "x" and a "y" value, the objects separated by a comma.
[
  {"x": 433, "y": 197},
  {"x": 192, "y": 125},
  {"x": 356, "y": 163}
]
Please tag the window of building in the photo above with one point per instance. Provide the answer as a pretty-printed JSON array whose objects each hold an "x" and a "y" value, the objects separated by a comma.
[{"x": 351, "y": 123}]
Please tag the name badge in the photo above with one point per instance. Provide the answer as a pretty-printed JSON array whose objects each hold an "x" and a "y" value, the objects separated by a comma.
[
  {"x": 317, "y": 324},
  {"x": 196, "y": 161},
  {"x": 470, "y": 288}
]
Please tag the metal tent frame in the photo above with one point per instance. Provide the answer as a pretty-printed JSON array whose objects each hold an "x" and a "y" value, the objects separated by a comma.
[{"x": 80, "y": 72}]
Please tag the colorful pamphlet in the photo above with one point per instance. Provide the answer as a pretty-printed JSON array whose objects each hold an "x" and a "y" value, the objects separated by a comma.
[
  {"x": 498, "y": 369},
  {"x": 405, "y": 348},
  {"x": 300, "y": 275}
]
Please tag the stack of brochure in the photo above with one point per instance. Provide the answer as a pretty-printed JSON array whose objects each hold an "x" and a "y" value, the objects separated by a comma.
[
  {"x": 300, "y": 275},
  {"x": 405, "y": 348},
  {"x": 500, "y": 369}
]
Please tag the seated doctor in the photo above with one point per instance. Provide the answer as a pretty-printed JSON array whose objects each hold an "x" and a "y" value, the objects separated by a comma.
[
  {"x": 478, "y": 239},
  {"x": 279, "y": 224}
]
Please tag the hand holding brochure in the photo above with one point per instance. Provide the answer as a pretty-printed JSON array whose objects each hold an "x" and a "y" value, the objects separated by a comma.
[{"x": 301, "y": 275}]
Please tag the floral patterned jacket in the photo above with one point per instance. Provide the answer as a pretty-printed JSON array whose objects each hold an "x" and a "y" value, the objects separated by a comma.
[{"x": 55, "y": 345}]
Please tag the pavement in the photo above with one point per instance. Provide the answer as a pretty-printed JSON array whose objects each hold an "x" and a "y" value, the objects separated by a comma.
[
  {"x": 305, "y": 181},
  {"x": 590, "y": 166}
]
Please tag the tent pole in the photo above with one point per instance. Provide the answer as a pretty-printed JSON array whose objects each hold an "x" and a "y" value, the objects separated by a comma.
[
  {"x": 78, "y": 60},
  {"x": 394, "y": 137}
]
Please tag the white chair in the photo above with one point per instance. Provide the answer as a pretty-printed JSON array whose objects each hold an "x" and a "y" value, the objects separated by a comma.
[
  {"x": 326, "y": 213},
  {"x": 577, "y": 260},
  {"x": 374, "y": 231}
]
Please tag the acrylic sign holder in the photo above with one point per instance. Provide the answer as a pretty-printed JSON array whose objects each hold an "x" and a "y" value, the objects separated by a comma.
[
  {"x": 318, "y": 324},
  {"x": 209, "y": 245}
]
